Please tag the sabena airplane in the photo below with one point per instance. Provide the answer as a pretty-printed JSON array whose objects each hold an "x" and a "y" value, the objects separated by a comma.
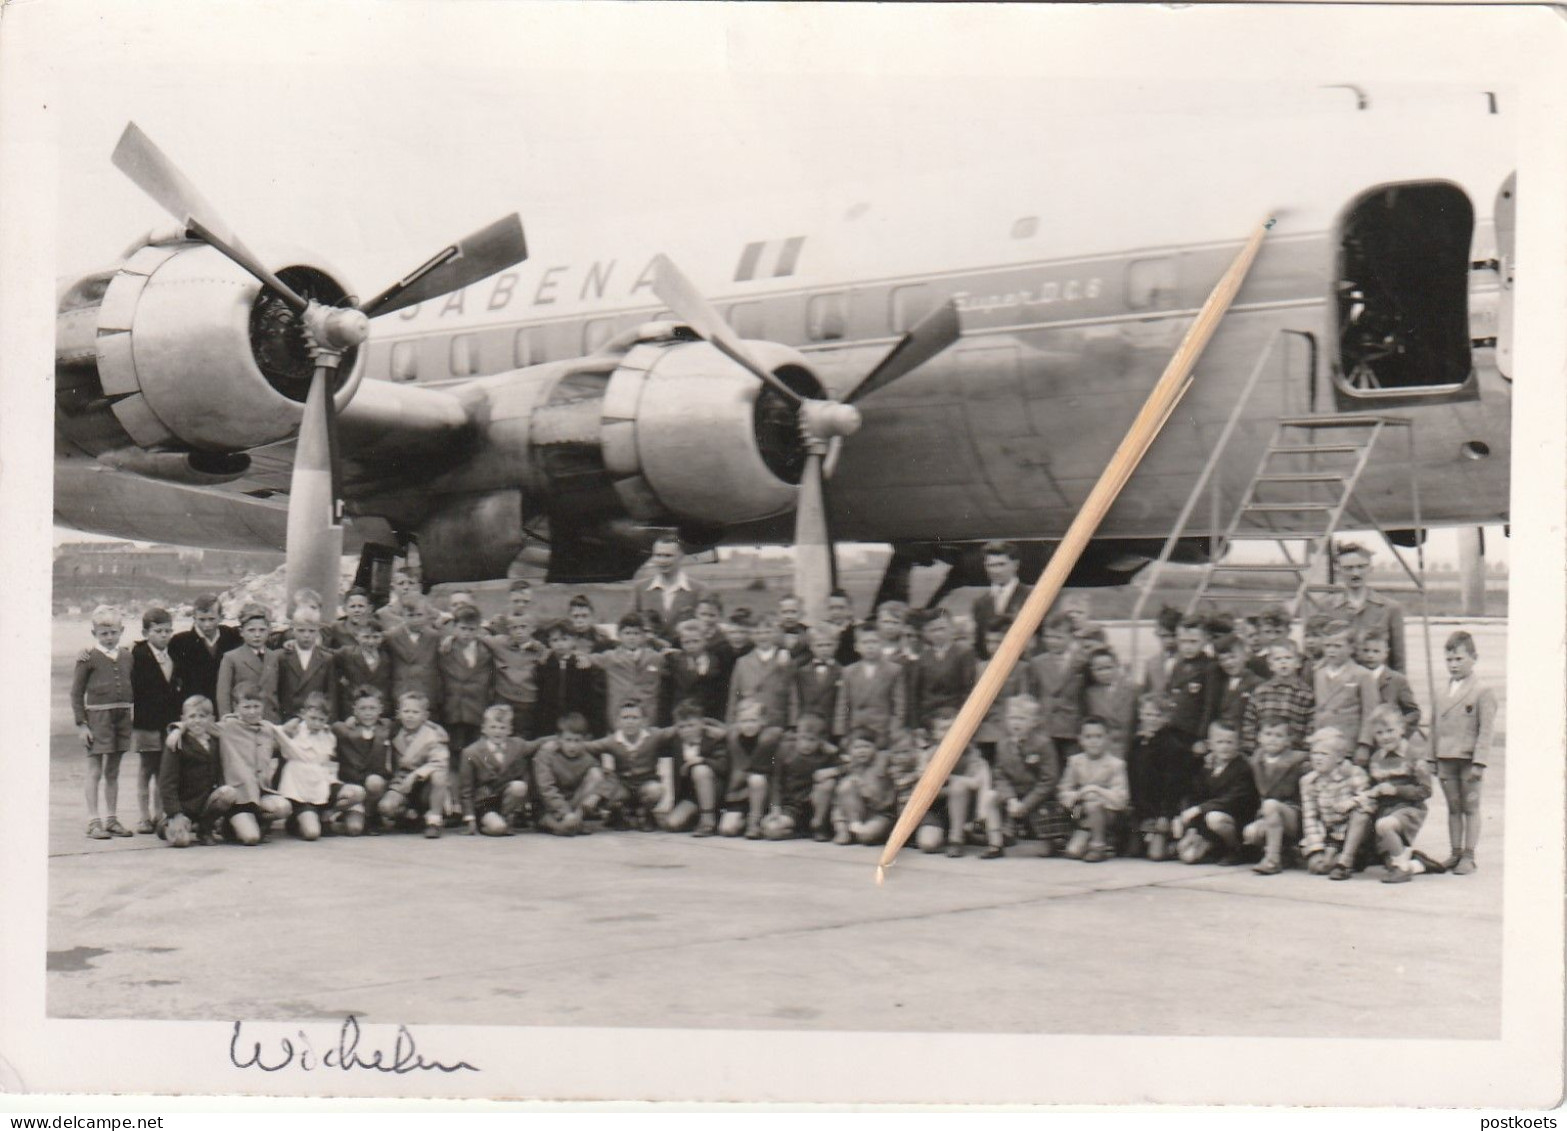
[{"x": 931, "y": 364}]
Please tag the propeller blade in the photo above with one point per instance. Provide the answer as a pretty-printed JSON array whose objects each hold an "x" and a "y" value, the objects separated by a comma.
[
  {"x": 813, "y": 551},
  {"x": 315, "y": 527},
  {"x": 144, "y": 163},
  {"x": 932, "y": 334},
  {"x": 492, "y": 248},
  {"x": 691, "y": 306}
]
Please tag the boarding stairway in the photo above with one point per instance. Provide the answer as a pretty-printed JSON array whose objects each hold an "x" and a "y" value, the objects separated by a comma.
[
  {"x": 1297, "y": 499},
  {"x": 1301, "y": 493}
]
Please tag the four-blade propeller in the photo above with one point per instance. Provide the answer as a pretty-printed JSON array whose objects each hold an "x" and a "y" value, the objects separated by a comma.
[
  {"x": 824, "y": 423},
  {"x": 315, "y": 531}
]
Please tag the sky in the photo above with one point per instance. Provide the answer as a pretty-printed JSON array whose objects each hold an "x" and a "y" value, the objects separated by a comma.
[{"x": 372, "y": 133}]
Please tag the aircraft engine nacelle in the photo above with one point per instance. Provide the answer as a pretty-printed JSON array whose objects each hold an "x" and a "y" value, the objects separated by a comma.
[
  {"x": 179, "y": 348},
  {"x": 688, "y": 435},
  {"x": 662, "y": 431}
]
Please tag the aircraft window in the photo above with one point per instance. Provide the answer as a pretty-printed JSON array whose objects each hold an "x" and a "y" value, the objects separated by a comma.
[
  {"x": 745, "y": 318},
  {"x": 465, "y": 356},
  {"x": 522, "y": 349},
  {"x": 1024, "y": 227},
  {"x": 1403, "y": 290},
  {"x": 825, "y": 316},
  {"x": 595, "y": 332},
  {"x": 1150, "y": 283},
  {"x": 909, "y": 305},
  {"x": 405, "y": 361}
]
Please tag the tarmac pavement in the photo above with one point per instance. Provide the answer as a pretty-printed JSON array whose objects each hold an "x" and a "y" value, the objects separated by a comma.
[{"x": 660, "y": 930}]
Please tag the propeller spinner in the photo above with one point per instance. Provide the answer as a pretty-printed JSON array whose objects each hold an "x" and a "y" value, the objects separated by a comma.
[
  {"x": 315, "y": 529},
  {"x": 824, "y": 423}
]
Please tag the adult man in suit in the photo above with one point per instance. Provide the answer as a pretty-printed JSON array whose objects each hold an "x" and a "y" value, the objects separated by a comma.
[
  {"x": 1006, "y": 594},
  {"x": 670, "y": 591},
  {"x": 198, "y": 650},
  {"x": 1362, "y": 607}
]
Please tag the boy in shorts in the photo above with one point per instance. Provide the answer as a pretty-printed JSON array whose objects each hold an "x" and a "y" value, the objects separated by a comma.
[
  {"x": 808, "y": 770},
  {"x": 1094, "y": 790},
  {"x": 862, "y": 800},
  {"x": 570, "y": 781},
  {"x": 190, "y": 779},
  {"x": 364, "y": 755},
  {"x": 249, "y": 754},
  {"x": 1395, "y": 803},
  {"x": 1277, "y": 770},
  {"x": 753, "y": 765},
  {"x": 102, "y": 704},
  {"x": 1028, "y": 770},
  {"x": 972, "y": 803},
  {"x": 1329, "y": 798},
  {"x": 493, "y": 781},
  {"x": 1465, "y": 724},
  {"x": 633, "y": 787},
  {"x": 693, "y": 775},
  {"x": 156, "y": 692},
  {"x": 419, "y": 761},
  {"x": 1224, "y": 796}
]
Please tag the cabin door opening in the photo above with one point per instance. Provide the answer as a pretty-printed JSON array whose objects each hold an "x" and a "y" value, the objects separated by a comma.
[{"x": 1403, "y": 290}]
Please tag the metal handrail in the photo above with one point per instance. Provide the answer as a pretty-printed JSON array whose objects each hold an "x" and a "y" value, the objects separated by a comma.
[{"x": 1156, "y": 567}]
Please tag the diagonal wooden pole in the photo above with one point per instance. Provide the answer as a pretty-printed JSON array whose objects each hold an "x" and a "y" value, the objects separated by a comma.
[{"x": 1156, "y": 410}]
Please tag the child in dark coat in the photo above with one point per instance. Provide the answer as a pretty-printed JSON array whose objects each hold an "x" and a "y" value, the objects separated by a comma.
[
  {"x": 1159, "y": 772},
  {"x": 1224, "y": 800}
]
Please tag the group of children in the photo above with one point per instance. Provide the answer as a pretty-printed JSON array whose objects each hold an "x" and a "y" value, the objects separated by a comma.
[{"x": 1224, "y": 749}]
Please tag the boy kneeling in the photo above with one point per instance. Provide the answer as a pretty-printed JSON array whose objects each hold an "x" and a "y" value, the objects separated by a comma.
[
  {"x": 190, "y": 779},
  {"x": 570, "y": 781},
  {"x": 1094, "y": 790},
  {"x": 1329, "y": 798},
  {"x": 419, "y": 774},
  {"x": 494, "y": 775},
  {"x": 248, "y": 751},
  {"x": 1224, "y": 796}
]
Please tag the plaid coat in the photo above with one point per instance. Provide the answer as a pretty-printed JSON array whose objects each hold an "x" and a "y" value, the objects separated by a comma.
[{"x": 1326, "y": 802}]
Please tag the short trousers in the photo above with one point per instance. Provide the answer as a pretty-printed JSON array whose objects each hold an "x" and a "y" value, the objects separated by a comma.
[
  {"x": 146, "y": 741},
  {"x": 492, "y": 803},
  {"x": 1410, "y": 818},
  {"x": 1452, "y": 769},
  {"x": 111, "y": 729}
]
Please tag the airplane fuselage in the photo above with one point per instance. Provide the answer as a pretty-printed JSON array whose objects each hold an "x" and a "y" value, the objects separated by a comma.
[{"x": 1370, "y": 297}]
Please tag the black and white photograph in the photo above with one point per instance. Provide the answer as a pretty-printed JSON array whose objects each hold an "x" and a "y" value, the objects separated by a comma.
[{"x": 728, "y": 552}]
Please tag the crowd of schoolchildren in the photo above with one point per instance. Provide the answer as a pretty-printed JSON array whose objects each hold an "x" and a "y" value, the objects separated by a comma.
[{"x": 1233, "y": 744}]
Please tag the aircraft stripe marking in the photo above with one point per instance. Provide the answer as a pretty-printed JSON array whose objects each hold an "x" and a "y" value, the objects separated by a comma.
[
  {"x": 789, "y": 256},
  {"x": 746, "y": 271}
]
